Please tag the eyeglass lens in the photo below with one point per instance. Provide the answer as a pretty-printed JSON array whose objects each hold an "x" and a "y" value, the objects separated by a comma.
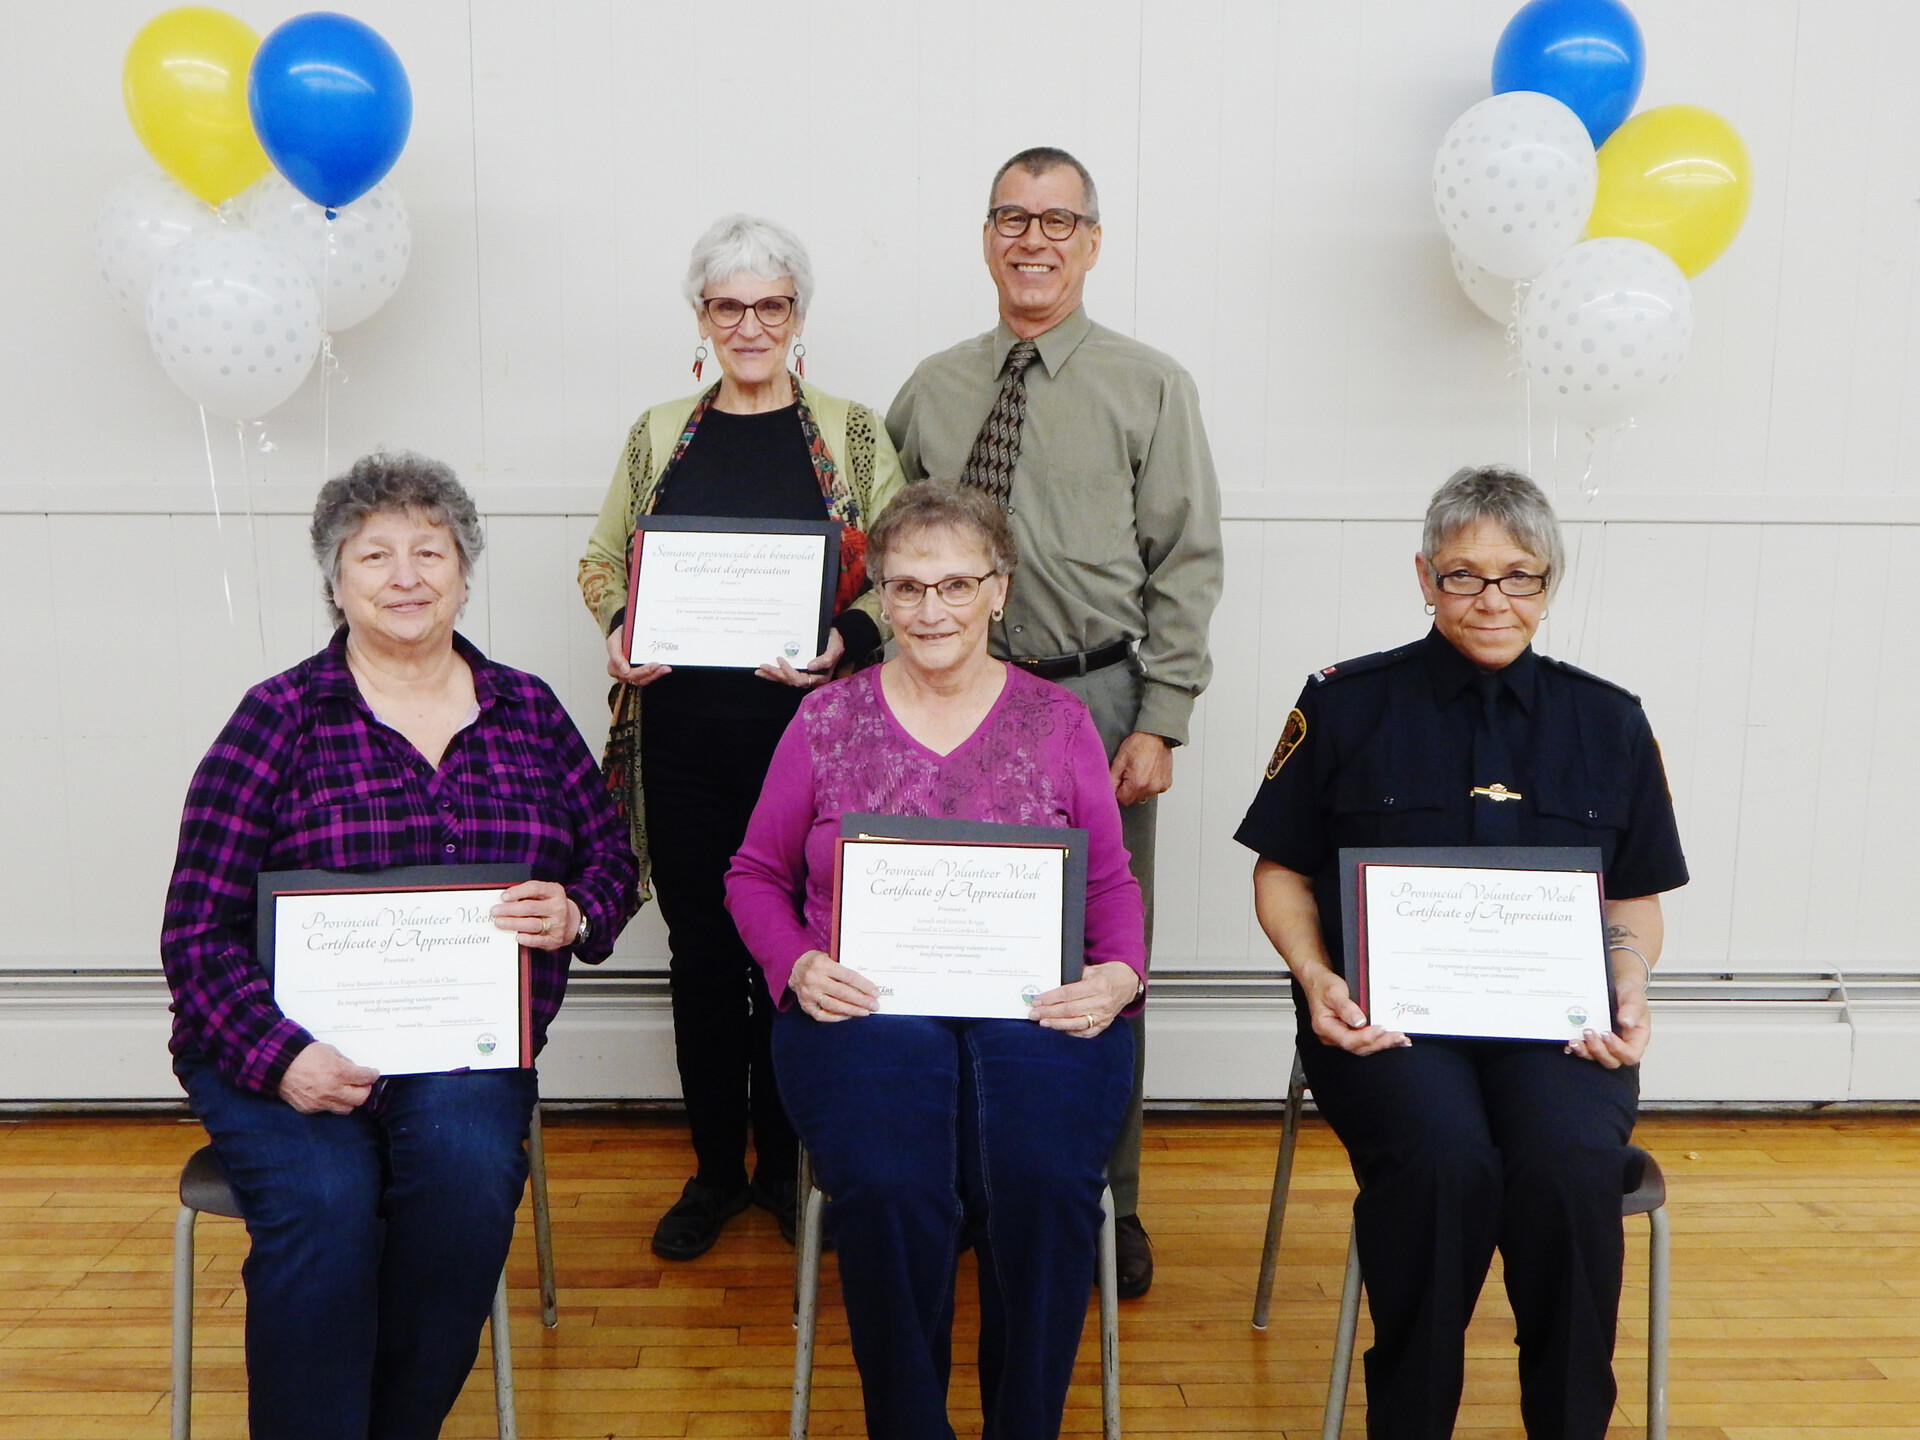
[
  {"x": 773, "y": 310},
  {"x": 1055, "y": 224},
  {"x": 1519, "y": 585}
]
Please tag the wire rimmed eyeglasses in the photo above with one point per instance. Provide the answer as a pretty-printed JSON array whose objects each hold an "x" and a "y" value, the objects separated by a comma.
[
  {"x": 1519, "y": 584},
  {"x": 954, "y": 590},
  {"x": 1013, "y": 221},
  {"x": 725, "y": 312}
]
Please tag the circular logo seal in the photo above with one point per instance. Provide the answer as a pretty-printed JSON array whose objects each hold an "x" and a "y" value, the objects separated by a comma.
[
  {"x": 1576, "y": 1015},
  {"x": 1029, "y": 994},
  {"x": 793, "y": 650},
  {"x": 486, "y": 1044}
]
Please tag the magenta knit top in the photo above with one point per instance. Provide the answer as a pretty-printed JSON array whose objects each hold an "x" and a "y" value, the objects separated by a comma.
[{"x": 1035, "y": 759}]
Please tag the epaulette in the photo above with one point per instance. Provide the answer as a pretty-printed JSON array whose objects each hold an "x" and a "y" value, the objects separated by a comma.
[
  {"x": 1579, "y": 674},
  {"x": 1379, "y": 660}
]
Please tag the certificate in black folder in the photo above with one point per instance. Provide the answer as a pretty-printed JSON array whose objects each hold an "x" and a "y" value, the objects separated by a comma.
[
  {"x": 1506, "y": 942},
  {"x": 401, "y": 969},
  {"x": 708, "y": 591},
  {"x": 957, "y": 917}
]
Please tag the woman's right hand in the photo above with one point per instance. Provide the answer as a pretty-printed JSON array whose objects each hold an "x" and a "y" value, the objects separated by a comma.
[
  {"x": 1339, "y": 1022},
  {"x": 618, "y": 667},
  {"x": 828, "y": 990},
  {"x": 321, "y": 1078}
]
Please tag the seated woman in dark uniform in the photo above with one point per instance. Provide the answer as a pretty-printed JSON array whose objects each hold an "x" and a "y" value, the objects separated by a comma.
[{"x": 1468, "y": 737}]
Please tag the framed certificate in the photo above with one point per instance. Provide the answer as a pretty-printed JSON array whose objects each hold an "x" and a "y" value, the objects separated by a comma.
[
  {"x": 1493, "y": 941},
  {"x": 956, "y": 917},
  {"x": 401, "y": 969},
  {"x": 729, "y": 594}
]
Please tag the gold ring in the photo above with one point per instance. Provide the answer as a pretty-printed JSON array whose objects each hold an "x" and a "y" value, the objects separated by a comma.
[
  {"x": 1089, "y": 1020},
  {"x": 546, "y": 925}
]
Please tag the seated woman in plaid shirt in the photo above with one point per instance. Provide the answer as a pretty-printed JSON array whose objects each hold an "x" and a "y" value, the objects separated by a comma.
[{"x": 379, "y": 1210}]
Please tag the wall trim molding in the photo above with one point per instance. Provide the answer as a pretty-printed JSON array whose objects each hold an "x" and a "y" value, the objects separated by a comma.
[{"x": 47, "y": 497}]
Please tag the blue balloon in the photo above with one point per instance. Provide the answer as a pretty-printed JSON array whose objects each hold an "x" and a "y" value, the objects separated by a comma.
[
  {"x": 331, "y": 105},
  {"x": 1587, "y": 54}
]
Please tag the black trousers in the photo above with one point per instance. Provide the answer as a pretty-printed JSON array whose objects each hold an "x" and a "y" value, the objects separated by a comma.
[
  {"x": 701, "y": 777},
  {"x": 1459, "y": 1146}
]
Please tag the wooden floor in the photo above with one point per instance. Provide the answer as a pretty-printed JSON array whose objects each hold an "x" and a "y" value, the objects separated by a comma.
[{"x": 1796, "y": 1293}]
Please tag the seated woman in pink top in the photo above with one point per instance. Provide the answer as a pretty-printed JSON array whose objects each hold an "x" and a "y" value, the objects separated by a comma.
[{"x": 929, "y": 1132}]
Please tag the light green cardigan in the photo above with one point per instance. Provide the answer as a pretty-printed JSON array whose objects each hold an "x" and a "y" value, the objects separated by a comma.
[{"x": 854, "y": 437}]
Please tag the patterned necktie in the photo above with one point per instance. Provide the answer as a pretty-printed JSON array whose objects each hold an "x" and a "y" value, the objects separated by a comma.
[{"x": 996, "y": 449}]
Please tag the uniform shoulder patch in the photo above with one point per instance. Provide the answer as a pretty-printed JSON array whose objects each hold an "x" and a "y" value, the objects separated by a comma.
[
  {"x": 1291, "y": 735},
  {"x": 1589, "y": 676},
  {"x": 1380, "y": 659}
]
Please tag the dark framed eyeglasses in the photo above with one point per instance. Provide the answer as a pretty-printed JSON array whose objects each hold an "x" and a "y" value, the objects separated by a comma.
[
  {"x": 725, "y": 312},
  {"x": 954, "y": 590},
  {"x": 1013, "y": 221},
  {"x": 1519, "y": 584}
]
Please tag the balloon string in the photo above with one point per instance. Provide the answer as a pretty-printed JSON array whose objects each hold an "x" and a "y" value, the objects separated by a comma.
[
  {"x": 219, "y": 525},
  {"x": 253, "y": 539},
  {"x": 327, "y": 362}
]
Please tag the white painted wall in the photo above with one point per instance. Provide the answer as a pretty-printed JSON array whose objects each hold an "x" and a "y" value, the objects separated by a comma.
[{"x": 1263, "y": 175}]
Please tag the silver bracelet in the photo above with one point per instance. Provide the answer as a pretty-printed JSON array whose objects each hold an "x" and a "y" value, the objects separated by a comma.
[{"x": 1636, "y": 955}]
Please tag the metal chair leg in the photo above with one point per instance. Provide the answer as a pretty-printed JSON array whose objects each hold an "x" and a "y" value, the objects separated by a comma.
[
  {"x": 1336, "y": 1407},
  {"x": 802, "y": 1187},
  {"x": 806, "y": 1300},
  {"x": 542, "y": 1225},
  {"x": 1277, "y": 1206},
  {"x": 502, "y": 1337},
  {"x": 182, "y": 1423},
  {"x": 1658, "y": 1241},
  {"x": 1109, "y": 1275}
]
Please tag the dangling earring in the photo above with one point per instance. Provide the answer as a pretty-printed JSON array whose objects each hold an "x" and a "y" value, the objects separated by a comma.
[
  {"x": 799, "y": 359},
  {"x": 699, "y": 359}
]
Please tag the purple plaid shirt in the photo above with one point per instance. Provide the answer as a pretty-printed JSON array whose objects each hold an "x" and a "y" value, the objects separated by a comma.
[{"x": 304, "y": 777}]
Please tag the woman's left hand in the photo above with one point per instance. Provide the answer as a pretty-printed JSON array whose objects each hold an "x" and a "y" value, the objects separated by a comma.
[
  {"x": 541, "y": 912},
  {"x": 1625, "y": 1048},
  {"x": 818, "y": 671},
  {"x": 1089, "y": 1004}
]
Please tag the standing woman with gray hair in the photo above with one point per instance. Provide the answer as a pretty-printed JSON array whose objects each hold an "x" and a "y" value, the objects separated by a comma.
[
  {"x": 380, "y": 1209},
  {"x": 759, "y": 444},
  {"x": 1468, "y": 737}
]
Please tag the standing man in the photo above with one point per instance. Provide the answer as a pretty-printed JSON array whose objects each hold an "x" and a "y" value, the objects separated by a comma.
[{"x": 1093, "y": 444}]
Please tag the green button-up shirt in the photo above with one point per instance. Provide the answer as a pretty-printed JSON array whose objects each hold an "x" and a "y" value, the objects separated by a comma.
[{"x": 1115, "y": 506}]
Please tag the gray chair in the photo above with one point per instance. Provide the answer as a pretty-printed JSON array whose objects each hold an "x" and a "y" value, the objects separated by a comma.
[
  {"x": 806, "y": 1309},
  {"x": 1646, "y": 1195},
  {"x": 204, "y": 1190}
]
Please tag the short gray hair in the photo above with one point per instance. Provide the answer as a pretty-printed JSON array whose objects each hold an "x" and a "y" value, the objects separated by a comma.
[
  {"x": 736, "y": 243},
  {"x": 925, "y": 505},
  {"x": 381, "y": 484},
  {"x": 1037, "y": 161},
  {"x": 1506, "y": 497}
]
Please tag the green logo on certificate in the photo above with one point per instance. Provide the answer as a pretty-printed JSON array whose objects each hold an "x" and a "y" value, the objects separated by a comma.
[
  {"x": 486, "y": 1044},
  {"x": 1029, "y": 994},
  {"x": 1576, "y": 1015},
  {"x": 793, "y": 650}
]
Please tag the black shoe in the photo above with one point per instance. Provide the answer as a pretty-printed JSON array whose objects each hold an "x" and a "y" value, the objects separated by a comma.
[
  {"x": 1133, "y": 1254},
  {"x": 777, "y": 1198},
  {"x": 694, "y": 1222}
]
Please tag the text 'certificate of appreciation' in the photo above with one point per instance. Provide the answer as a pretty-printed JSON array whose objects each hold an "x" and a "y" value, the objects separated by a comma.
[
  {"x": 408, "y": 981},
  {"x": 971, "y": 931},
  {"x": 1457, "y": 950},
  {"x": 729, "y": 593}
]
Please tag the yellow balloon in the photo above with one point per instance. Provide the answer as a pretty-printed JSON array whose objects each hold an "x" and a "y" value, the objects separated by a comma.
[
  {"x": 185, "y": 84},
  {"x": 1676, "y": 177}
]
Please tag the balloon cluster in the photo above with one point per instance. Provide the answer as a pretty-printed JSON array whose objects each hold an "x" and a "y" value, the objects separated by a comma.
[
  {"x": 237, "y": 270},
  {"x": 1578, "y": 225}
]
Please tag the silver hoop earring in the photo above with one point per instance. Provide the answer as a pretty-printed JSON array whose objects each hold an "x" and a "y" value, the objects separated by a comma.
[
  {"x": 999, "y": 614},
  {"x": 1429, "y": 610}
]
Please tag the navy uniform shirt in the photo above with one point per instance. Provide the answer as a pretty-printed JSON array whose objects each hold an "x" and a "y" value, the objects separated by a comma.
[{"x": 1381, "y": 751}]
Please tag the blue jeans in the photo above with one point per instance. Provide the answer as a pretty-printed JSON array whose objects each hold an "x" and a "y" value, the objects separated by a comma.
[
  {"x": 377, "y": 1241},
  {"x": 923, "y": 1130}
]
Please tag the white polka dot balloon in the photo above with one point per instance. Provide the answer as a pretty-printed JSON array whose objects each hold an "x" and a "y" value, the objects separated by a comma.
[
  {"x": 1494, "y": 295},
  {"x": 1513, "y": 182},
  {"x": 144, "y": 218},
  {"x": 1603, "y": 327},
  {"x": 235, "y": 321},
  {"x": 360, "y": 267}
]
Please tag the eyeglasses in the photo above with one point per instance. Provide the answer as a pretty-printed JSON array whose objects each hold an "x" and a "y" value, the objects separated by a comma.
[
  {"x": 726, "y": 312},
  {"x": 1013, "y": 221},
  {"x": 1519, "y": 584},
  {"x": 954, "y": 590}
]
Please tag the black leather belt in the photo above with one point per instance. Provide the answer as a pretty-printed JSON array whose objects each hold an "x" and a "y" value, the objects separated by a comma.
[{"x": 1061, "y": 667}]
